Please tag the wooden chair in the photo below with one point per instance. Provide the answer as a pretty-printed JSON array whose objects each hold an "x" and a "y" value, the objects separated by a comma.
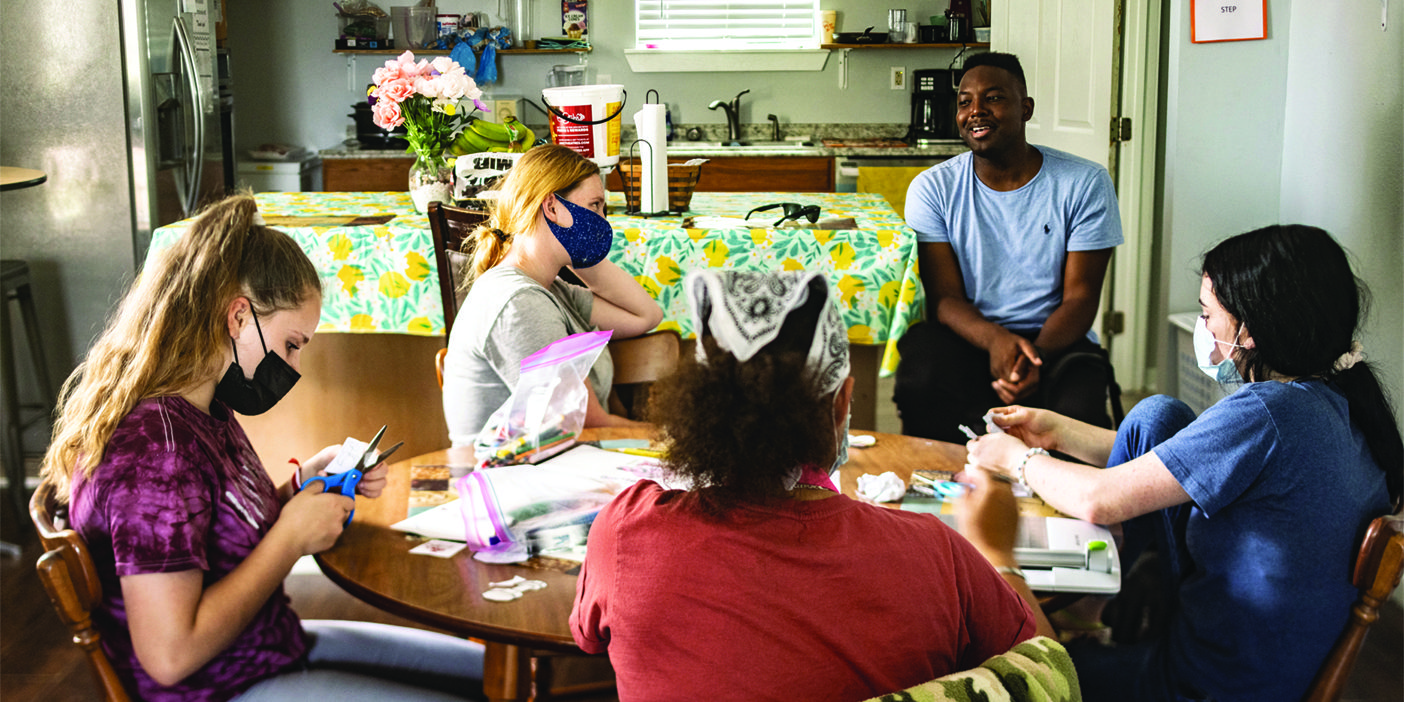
[
  {"x": 71, "y": 580},
  {"x": 1377, "y": 570},
  {"x": 638, "y": 362},
  {"x": 450, "y": 227}
]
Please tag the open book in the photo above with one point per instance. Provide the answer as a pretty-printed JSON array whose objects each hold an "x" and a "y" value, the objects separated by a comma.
[{"x": 1056, "y": 552}]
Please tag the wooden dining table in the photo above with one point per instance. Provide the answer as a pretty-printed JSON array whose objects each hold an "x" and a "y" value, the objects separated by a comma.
[{"x": 372, "y": 562}]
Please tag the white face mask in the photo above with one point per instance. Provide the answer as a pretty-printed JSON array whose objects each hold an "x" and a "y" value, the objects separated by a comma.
[{"x": 1225, "y": 372}]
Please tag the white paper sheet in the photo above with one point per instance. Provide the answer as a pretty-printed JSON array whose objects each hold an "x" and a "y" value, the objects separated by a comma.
[{"x": 446, "y": 520}]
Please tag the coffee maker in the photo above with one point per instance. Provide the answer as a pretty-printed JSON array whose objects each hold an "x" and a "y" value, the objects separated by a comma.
[
  {"x": 958, "y": 21},
  {"x": 934, "y": 106}
]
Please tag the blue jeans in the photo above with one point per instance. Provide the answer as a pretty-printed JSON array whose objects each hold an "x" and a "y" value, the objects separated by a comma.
[
  {"x": 1139, "y": 671},
  {"x": 351, "y": 661}
]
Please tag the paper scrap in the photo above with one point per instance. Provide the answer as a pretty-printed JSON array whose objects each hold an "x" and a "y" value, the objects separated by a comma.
[{"x": 439, "y": 547}]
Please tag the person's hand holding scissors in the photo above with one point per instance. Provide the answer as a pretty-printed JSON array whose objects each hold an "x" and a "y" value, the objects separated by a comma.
[
  {"x": 363, "y": 472},
  {"x": 312, "y": 521},
  {"x": 372, "y": 482}
]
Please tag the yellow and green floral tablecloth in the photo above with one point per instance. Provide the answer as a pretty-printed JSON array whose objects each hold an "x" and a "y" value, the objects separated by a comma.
[{"x": 382, "y": 277}]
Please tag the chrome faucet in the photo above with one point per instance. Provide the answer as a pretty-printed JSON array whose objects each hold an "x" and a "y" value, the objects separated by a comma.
[{"x": 733, "y": 116}]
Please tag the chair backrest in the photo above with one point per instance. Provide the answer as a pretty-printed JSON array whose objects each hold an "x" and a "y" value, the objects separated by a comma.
[
  {"x": 71, "y": 579},
  {"x": 638, "y": 362},
  {"x": 1376, "y": 574},
  {"x": 439, "y": 357},
  {"x": 450, "y": 227}
]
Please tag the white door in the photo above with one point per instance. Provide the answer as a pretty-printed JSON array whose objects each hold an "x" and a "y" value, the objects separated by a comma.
[
  {"x": 1072, "y": 55},
  {"x": 1067, "y": 49}
]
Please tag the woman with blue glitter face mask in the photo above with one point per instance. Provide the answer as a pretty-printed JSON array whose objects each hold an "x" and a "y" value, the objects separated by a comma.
[
  {"x": 549, "y": 216},
  {"x": 1255, "y": 507}
]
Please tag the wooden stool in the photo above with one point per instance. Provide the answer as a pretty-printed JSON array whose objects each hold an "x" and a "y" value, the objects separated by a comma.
[{"x": 15, "y": 275}]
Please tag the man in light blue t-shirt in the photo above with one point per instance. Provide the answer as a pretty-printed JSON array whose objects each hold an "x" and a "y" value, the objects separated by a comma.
[{"x": 1014, "y": 242}]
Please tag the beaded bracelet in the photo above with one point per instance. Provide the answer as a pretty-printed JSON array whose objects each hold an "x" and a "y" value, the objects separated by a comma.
[
  {"x": 1011, "y": 570},
  {"x": 296, "y": 476},
  {"x": 1027, "y": 455}
]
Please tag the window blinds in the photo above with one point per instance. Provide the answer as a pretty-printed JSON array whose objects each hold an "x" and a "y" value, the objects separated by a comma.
[{"x": 722, "y": 24}]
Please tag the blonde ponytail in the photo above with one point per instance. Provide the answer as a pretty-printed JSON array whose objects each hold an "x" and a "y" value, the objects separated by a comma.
[{"x": 169, "y": 331}]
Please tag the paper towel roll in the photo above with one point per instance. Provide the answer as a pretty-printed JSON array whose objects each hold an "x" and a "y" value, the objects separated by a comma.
[{"x": 651, "y": 123}]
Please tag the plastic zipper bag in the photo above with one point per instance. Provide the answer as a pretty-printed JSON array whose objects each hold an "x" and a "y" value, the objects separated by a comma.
[{"x": 547, "y": 408}]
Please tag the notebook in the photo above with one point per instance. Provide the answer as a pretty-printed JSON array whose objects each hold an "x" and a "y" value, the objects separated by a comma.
[{"x": 1057, "y": 553}]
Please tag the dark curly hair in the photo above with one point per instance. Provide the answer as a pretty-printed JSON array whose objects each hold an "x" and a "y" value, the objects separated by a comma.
[{"x": 734, "y": 429}]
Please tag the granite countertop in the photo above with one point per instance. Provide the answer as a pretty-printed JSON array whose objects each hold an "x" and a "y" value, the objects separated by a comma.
[{"x": 849, "y": 140}]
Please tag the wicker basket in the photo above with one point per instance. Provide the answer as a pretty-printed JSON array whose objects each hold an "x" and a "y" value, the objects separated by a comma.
[{"x": 682, "y": 180}]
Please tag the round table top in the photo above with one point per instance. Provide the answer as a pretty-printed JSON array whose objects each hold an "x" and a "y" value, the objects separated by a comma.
[
  {"x": 372, "y": 561},
  {"x": 12, "y": 178}
]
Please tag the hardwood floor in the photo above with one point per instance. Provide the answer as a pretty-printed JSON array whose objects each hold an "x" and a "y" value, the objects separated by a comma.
[{"x": 39, "y": 662}]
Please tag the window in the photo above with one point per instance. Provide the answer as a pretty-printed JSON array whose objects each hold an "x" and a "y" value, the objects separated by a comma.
[{"x": 728, "y": 25}]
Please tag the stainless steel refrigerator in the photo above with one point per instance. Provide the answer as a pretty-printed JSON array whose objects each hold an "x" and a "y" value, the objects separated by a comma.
[{"x": 179, "y": 111}]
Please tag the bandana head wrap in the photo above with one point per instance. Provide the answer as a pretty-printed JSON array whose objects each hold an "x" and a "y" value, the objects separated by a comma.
[{"x": 744, "y": 310}]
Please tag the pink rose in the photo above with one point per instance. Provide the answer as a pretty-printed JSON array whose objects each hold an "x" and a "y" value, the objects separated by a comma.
[
  {"x": 386, "y": 114},
  {"x": 390, "y": 71},
  {"x": 397, "y": 90},
  {"x": 444, "y": 65},
  {"x": 407, "y": 67},
  {"x": 427, "y": 87},
  {"x": 457, "y": 85}
]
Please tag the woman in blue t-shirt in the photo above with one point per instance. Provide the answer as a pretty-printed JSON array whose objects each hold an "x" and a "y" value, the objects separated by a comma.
[{"x": 1257, "y": 506}]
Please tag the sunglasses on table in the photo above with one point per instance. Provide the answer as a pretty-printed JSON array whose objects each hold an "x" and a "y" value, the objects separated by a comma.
[{"x": 792, "y": 210}]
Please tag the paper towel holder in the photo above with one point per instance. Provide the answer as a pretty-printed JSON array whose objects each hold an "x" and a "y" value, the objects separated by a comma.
[
  {"x": 651, "y": 97},
  {"x": 632, "y": 177}
]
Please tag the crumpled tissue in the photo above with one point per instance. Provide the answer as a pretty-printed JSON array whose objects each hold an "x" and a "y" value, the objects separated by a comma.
[{"x": 881, "y": 488}]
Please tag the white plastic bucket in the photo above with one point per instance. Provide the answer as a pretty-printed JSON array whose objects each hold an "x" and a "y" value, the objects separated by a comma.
[{"x": 585, "y": 118}]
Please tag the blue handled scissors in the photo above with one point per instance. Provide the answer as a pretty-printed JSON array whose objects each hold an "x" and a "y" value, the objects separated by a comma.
[{"x": 345, "y": 482}]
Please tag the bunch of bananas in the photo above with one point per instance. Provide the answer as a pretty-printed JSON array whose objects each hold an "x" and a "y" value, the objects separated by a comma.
[{"x": 481, "y": 135}]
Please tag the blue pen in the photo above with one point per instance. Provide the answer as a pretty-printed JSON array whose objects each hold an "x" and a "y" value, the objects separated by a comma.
[{"x": 946, "y": 488}]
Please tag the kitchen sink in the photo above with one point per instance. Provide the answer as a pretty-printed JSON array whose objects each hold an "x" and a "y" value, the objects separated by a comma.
[{"x": 744, "y": 147}]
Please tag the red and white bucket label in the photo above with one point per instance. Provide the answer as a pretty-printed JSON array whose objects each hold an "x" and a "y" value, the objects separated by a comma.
[{"x": 577, "y": 137}]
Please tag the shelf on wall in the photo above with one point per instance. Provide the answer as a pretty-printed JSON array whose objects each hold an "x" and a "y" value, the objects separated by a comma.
[
  {"x": 445, "y": 52},
  {"x": 885, "y": 45}
]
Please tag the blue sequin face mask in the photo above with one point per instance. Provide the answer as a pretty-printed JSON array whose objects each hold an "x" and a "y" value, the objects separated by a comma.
[{"x": 587, "y": 239}]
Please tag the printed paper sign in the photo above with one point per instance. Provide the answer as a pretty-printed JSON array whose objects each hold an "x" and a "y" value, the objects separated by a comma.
[{"x": 1227, "y": 20}]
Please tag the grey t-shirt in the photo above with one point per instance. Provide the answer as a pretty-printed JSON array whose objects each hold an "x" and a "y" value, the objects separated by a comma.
[{"x": 506, "y": 317}]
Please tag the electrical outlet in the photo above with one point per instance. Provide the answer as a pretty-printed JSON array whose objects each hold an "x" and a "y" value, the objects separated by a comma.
[
  {"x": 502, "y": 109},
  {"x": 897, "y": 77}
]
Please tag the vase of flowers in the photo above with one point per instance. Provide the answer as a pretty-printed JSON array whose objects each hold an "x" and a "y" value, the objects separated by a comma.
[{"x": 431, "y": 99}]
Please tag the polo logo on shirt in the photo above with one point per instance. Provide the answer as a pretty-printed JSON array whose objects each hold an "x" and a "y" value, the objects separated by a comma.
[{"x": 1046, "y": 230}]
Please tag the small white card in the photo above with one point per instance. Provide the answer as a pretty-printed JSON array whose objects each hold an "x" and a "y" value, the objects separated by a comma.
[
  {"x": 352, "y": 450},
  {"x": 439, "y": 547}
]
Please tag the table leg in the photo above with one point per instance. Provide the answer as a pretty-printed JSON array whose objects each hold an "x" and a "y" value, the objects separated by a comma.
[
  {"x": 863, "y": 364},
  {"x": 506, "y": 672}
]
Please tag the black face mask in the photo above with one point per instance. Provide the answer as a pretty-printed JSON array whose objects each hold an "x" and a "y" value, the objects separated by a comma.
[{"x": 272, "y": 380}]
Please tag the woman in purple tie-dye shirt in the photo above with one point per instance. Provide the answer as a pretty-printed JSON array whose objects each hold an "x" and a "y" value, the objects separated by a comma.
[{"x": 191, "y": 537}]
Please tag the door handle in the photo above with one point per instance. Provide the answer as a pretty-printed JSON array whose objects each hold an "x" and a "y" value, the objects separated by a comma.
[{"x": 195, "y": 164}]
